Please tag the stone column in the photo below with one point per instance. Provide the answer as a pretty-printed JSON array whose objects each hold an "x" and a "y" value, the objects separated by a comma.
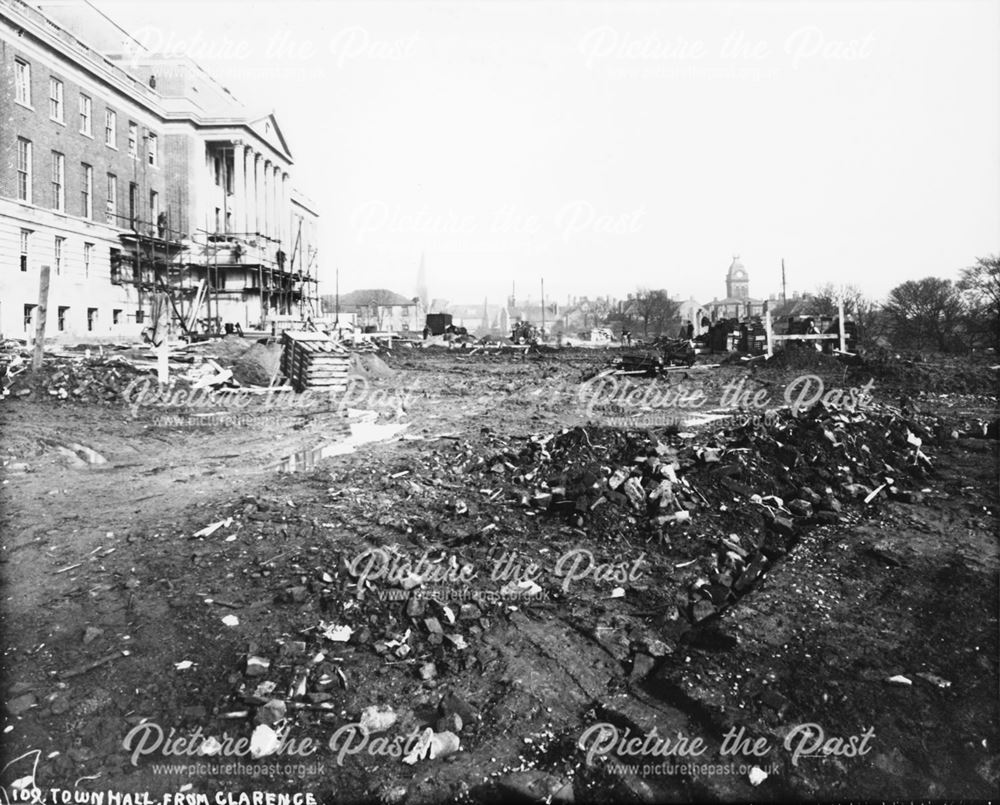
[
  {"x": 239, "y": 202},
  {"x": 279, "y": 231},
  {"x": 268, "y": 214},
  {"x": 257, "y": 170},
  {"x": 286, "y": 216}
]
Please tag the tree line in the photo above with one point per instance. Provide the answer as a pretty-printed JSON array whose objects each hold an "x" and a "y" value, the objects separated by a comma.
[{"x": 928, "y": 313}]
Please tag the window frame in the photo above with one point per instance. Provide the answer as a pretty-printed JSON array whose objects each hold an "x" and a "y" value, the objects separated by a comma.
[
  {"x": 152, "y": 150},
  {"x": 24, "y": 174},
  {"x": 87, "y": 191},
  {"x": 86, "y": 116},
  {"x": 25, "y": 246},
  {"x": 58, "y": 242},
  {"x": 57, "y": 104},
  {"x": 111, "y": 128},
  {"x": 22, "y": 82},
  {"x": 111, "y": 200},
  {"x": 88, "y": 253},
  {"x": 133, "y": 139},
  {"x": 58, "y": 181}
]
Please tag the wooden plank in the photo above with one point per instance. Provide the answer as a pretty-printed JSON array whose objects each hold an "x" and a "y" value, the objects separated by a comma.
[{"x": 807, "y": 337}]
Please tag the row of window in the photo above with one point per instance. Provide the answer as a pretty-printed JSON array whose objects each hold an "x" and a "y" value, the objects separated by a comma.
[
  {"x": 58, "y": 253},
  {"x": 62, "y": 315},
  {"x": 22, "y": 93},
  {"x": 57, "y": 185}
]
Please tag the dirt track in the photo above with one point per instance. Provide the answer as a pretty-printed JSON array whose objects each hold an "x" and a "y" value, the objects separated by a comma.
[{"x": 876, "y": 591}]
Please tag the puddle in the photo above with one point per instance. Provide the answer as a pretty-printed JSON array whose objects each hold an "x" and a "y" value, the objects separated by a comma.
[
  {"x": 361, "y": 433},
  {"x": 81, "y": 456}
]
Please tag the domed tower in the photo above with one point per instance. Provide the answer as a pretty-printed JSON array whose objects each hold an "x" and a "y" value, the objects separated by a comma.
[{"x": 737, "y": 281}]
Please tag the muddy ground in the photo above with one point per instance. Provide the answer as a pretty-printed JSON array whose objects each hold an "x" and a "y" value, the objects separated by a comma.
[{"x": 852, "y": 642}]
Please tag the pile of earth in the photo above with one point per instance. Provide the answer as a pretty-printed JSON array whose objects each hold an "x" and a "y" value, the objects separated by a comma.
[
  {"x": 369, "y": 365},
  {"x": 257, "y": 365}
]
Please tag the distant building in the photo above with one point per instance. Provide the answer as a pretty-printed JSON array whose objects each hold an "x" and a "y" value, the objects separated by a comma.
[
  {"x": 691, "y": 310},
  {"x": 738, "y": 304},
  {"x": 385, "y": 310}
]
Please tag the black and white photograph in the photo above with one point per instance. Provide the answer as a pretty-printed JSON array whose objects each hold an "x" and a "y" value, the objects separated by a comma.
[{"x": 485, "y": 401}]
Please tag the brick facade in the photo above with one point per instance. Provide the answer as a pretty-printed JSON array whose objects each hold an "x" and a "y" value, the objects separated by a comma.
[{"x": 177, "y": 195}]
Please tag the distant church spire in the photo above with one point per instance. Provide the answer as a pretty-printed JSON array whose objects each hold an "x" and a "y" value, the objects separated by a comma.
[{"x": 422, "y": 283}]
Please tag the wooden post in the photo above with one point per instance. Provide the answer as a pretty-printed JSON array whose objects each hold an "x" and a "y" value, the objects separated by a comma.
[
  {"x": 162, "y": 362},
  {"x": 767, "y": 327},
  {"x": 43, "y": 304},
  {"x": 843, "y": 335}
]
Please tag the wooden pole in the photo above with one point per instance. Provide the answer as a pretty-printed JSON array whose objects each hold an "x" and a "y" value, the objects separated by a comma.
[
  {"x": 543, "y": 306},
  {"x": 843, "y": 335},
  {"x": 43, "y": 306},
  {"x": 767, "y": 327}
]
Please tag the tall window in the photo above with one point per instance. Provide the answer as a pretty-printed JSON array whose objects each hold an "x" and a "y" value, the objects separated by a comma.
[
  {"x": 133, "y": 204},
  {"x": 62, "y": 317},
  {"x": 154, "y": 150},
  {"x": 154, "y": 208},
  {"x": 88, "y": 251},
  {"x": 22, "y": 82},
  {"x": 111, "y": 208},
  {"x": 58, "y": 181},
  {"x": 115, "y": 263},
  {"x": 110, "y": 128},
  {"x": 25, "y": 237},
  {"x": 58, "y": 253},
  {"x": 85, "y": 122},
  {"x": 91, "y": 318},
  {"x": 24, "y": 169},
  {"x": 133, "y": 140},
  {"x": 56, "y": 99},
  {"x": 87, "y": 191}
]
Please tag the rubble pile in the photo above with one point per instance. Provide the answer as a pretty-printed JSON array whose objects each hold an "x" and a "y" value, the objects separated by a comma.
[
  {"x": 104, "y": 375},
  {"x": 748, "y": 491},
  {"x": 96, "y": 379}
]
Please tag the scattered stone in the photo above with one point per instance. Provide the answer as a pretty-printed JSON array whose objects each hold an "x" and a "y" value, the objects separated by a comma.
[
  {"x": 449, "y": 723},
  {"x": 642, "y": 665},
  {"x": 377, "y": 718},
  {"x": 702, "y": 609},
  {"x": 90, "y": 634},
  {"x": 534, "y": 785},
  {"x": 452, "y": 704},
  {"x": 271, "y": 713},
  {"x": 800, "y": 508},
  {"x": 257, "y": 666},
  {"x": 21, "y": 704}
]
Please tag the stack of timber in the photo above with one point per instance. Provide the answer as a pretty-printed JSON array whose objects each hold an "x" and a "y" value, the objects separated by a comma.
[{"x": 314, "y": 360}]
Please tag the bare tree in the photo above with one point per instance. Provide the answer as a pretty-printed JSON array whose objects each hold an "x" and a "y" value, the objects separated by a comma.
[
  {"x": 655, "y": 309},
  {"x": 980, "y": 286},
  {"x": 927, "y": 311},
  {"x": 861, "y": 308}
]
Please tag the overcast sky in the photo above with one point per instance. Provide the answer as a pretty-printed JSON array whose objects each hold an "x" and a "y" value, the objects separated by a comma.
[{"x": 610, "y": 145}]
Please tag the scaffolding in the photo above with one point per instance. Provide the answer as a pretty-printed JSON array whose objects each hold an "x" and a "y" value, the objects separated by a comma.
[{"x": 216, "y": 269}]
